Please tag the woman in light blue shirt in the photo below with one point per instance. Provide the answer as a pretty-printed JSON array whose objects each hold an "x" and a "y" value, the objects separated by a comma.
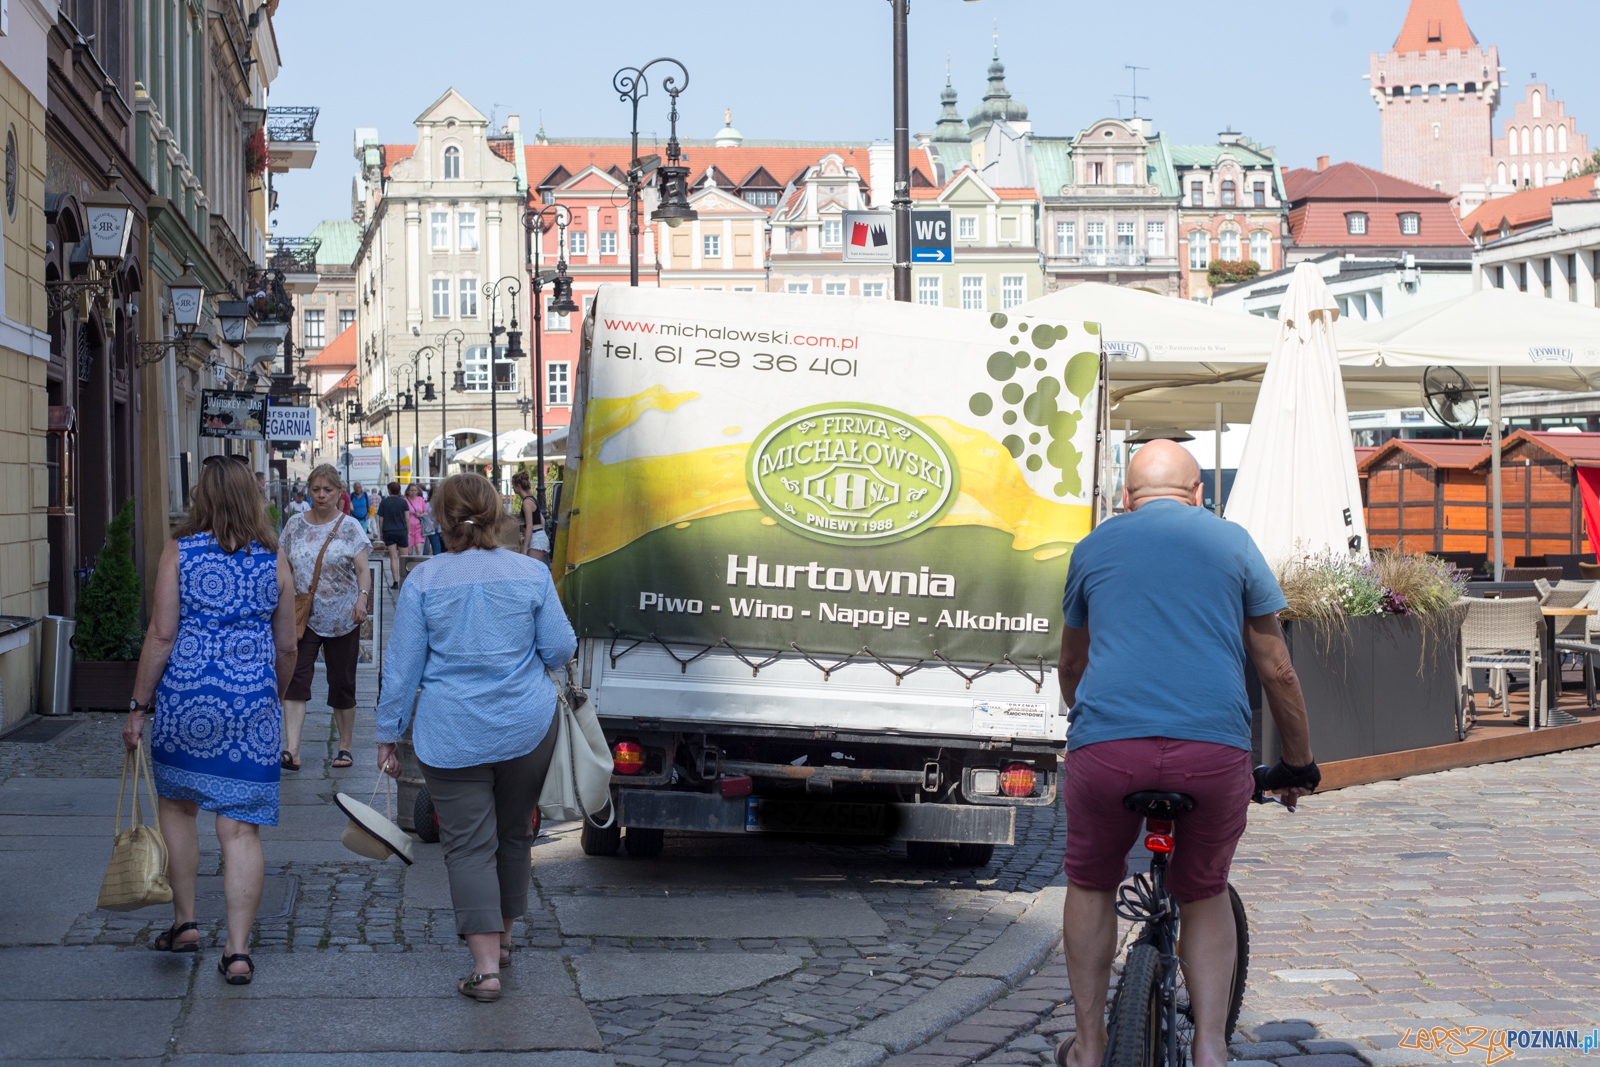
[{"x": 474, "y": 630}]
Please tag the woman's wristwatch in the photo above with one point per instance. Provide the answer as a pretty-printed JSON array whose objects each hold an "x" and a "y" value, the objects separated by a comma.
[{"x": 134, "y": 705}]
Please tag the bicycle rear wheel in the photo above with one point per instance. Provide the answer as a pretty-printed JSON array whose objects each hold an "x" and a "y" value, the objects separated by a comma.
[
  {"x": 1136, "y": 1018},
  {"x": 1241, "y": 970}
]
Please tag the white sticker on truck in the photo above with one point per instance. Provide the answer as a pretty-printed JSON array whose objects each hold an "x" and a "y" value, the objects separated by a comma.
[{"x": 1011, "y": 718}]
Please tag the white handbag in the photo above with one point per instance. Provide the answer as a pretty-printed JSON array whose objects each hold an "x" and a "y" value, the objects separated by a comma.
[{"x": 578, "y": 783}]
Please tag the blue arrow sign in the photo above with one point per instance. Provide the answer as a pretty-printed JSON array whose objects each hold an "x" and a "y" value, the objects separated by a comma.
[{"x": 930, "y": 237}]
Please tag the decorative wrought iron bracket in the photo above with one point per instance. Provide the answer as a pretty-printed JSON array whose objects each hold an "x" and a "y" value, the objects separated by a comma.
[
  {"x": 67, "y": 292},
  {"x": 148, "y": 353}
]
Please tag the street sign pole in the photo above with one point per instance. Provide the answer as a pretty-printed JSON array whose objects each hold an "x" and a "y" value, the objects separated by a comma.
[{"x": 902, "y": 159}]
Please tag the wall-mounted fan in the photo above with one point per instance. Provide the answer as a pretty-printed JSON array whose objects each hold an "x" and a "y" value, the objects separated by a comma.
[{"x": 1451, "y": 396}]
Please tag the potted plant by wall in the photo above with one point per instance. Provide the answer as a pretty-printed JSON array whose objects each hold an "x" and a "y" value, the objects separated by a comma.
[
  {"x": 1374, "y": 643},
  {"x": 108, "y": 638}
]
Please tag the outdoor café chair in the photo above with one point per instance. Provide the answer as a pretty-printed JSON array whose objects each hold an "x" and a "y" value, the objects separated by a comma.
[
  {"x": 1502, "y": 635},
  {"x": 1585, "y": 641}
]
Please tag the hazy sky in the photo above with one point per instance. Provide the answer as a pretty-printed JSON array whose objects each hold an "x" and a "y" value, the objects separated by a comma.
[{"x": 1287, "y": 72}]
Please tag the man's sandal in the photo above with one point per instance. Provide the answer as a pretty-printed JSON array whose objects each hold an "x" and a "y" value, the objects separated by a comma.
[
  {"x": 167, "y": 940},
  {"x": 288, "y": 762},
  {"x": 1062, "y": 1050},
  {"x": 343, "y": 758},
  {"x": 469, "y": 987},
  {"x": 237, "y": 979}
]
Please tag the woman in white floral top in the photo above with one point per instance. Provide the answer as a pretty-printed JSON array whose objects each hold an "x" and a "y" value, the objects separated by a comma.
[{"x": 339, "y": 607}]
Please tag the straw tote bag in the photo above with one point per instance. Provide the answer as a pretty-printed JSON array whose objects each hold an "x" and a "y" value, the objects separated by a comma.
[
  {"x": 578, "y": 783},
  {"x": 303, "y": 601},
  {"x": 136, "y": 877}
]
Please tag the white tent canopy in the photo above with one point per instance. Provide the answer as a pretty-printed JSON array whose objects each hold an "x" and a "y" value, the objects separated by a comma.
[
  {"x": 514, "y": 446},
  {"x": 1530, "y": 337},
  {"x": 1297, "y": 490}
]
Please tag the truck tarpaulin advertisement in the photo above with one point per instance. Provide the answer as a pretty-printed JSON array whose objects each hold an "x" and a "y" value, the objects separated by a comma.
[{"x": 829, "y": 475}]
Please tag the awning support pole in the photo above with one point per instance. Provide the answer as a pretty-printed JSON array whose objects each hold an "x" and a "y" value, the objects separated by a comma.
[
  {"x": 1216, "y": 470},
  {"x": 1494, "y": 472}
]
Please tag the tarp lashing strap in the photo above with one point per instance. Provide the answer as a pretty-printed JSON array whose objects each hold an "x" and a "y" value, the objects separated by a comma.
[
  {"x": 968, "y": 678},
  {"x": 683, "y": 664},
  {"x": 616, "y": 635},
  {"x": 755, "y": 668},
  {"x": 826, "y": 671},
  {"x": 1038, "y": 683},
  {"x": 898, "y": 675}
]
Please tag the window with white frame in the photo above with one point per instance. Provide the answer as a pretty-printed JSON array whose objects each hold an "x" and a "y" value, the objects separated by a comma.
[
  {"x": 1199, "y": 250},
  {"x": 577, "y": 243},
  {"x": 972, "y": 292},
  {"x": 1094, "y": 237},
  {"x": 1013, "y": 290},
  {"x": 930, "y": 290},
  {"x": 1124, "y": 173},
  {"x": 1197, "y": 194},
  {"x": 711, "y": 245},
  {"x": 347, "y": 318},
  {"x": 797, "y": 288},
  {"x": 1125, "y": 237},
  {"x": 1410, "y": 223},
  {"x": 1066, "y": 239},
  {"x": 475, "y": 365},
  {"x": 744, "y": 288},
  {"x": 1261, "y": 249},
  {"x": 441, "y": 298},
  {"x": 452, "y": 162},
  {"x": 966, "y": 227},
  {"x": 872, "y": 290},
  {"x": 835, "y": 288},
  {"x": 467, "y": 231},
  {"x": 316, "y": 334},
  {"x": 1355, "y": 224},
  {"x": 557, "y": 384},
  {"x": 608, "y": 242},
  {"x": 1228, "y": 246},
  {"x": 467, "y": 307},
  {"x": 1155, "y": 238},
  {"x": 832, "y": 233},
  {"x": 439, "y": 230}
]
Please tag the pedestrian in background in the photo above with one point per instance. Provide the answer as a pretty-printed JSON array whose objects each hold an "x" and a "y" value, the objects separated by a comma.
[
  {"x": 339, "y": 606},
  {"x": 393, "y": 518},
  {"x": 475, "y": 629},
  {"x": 296, "y": 506},
  {"x": 217, "y": 656},
  {"x": 360, "y": 504},
  {"x": 416, "y": 507},
  {"x": 430, "y": 527},
  {"x": 535, "y": 542}
]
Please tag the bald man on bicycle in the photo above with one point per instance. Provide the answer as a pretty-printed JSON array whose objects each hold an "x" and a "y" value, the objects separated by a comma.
[{"x": 1162, "y": 605}]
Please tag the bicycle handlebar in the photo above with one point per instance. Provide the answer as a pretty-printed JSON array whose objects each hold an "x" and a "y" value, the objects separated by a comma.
[{"x": 1261, "y": 796}]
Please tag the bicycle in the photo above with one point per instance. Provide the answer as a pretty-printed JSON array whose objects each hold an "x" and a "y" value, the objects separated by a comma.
[{"x": 1152, "y": 1024}]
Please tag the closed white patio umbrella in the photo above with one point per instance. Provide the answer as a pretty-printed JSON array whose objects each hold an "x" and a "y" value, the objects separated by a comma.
[{"x": 1297, "y": 490}]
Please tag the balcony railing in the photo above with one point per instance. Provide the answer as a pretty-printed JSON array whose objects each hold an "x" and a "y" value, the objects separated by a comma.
[
  {"x": 292, "y": 123},
  {"x": 1126, "y": 257},
  {"x": 294, "y": 255}
]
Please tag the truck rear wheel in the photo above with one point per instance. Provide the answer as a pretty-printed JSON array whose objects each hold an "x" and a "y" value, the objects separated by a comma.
[
  {"x": 644, "y": 843},
  {"x": 598, "y": 842},
  {"x": 974, "y": 855},
  {"x": 928, "y": 853}
]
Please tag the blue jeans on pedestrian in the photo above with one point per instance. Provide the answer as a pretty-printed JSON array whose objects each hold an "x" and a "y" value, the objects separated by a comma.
[{"x": 437, "y": 542}]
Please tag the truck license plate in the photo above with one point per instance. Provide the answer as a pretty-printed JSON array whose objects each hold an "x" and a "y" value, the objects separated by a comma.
[{"x": 763, "y": 815}]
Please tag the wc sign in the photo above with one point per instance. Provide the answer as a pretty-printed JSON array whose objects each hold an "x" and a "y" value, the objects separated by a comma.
[{"x": 930, "y": 237}]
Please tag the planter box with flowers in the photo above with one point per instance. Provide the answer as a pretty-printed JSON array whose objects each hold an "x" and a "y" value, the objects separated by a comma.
[{"x": 1374, "y": 644}]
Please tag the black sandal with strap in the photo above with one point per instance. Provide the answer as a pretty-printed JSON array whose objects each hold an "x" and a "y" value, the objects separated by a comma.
[
  {"x": 237, "y": 979},
  {"x": 343, "y": 759},
  {"x": 167, "y": 940},
  {"x": 470, "y": 986}
]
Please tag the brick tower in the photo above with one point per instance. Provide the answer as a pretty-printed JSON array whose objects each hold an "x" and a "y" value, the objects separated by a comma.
[{"x": 1436, "y": 92}]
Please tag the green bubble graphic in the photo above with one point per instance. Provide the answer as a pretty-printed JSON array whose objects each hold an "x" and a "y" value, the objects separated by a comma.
[
  {"x": 1034, "y": 463},
  {"x": 1041, "y": 407},
  {"x": 1001, "y": 366},
  {"x": 1081, "y": 372},
  {"x": 1044, "y": 337},
  {"x": 1033, "y": 438},
  {"x": 1061, "y": 333},
  {"x": 1013, "y": 445},
  {"x": 1091, "y": 327},
  {"x": 1040, "y": 364},
  {"x": 997, "y": 320},
  {"x": 1021, "y": 360},
  {"x": 1011, "y": 393},
  {"x": 1022, "y": 327},
  {"x": 1013, "y": 340},
  {"x": 981, "y": 403},
  {"x": 1009, "y": 418},
  {"x": 1060, "y": 489}
]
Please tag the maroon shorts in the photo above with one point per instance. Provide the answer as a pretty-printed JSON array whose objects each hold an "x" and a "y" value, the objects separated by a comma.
[{"x": 1100, "y": 832}]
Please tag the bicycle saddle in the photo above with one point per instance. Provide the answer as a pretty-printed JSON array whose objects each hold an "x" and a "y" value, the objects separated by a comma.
[{"x": 1157, "y": 805}]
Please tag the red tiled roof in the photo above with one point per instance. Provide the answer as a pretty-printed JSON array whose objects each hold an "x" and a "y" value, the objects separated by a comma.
[
  {"x": 1434, "y": 25},
  {"x": 1577, "y": 449},
  {"x": 1527, "y": 207},
  {"x": 1436, "y": 453},
  {"x": 1320, "y": 200},
  {"x": 504, "y": 148},
  {"x": 340, "y": 352},
  {"x": 394, "y": 153},
  {"x": 349, "y": 381}
]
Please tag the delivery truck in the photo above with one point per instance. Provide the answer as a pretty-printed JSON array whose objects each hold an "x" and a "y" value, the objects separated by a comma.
[{"x": 814, "y": 550}]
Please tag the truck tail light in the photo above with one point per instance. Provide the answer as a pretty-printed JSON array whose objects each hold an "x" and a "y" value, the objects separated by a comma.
[
  {"x": 627, "y": 758},
  {"x": 1018, "y": 780},
  {"x": 735, "y": 786}
]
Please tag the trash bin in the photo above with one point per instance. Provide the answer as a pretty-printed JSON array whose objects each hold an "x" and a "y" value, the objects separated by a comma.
[{"x": 55, "y": 665}]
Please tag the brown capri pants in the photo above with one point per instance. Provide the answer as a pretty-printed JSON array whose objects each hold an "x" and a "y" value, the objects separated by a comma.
[
  {"x": 485, "y": 825},
  {"x": 340, "y": 653}
]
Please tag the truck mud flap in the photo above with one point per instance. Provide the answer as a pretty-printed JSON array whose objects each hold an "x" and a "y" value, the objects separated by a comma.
[{"x": 704, "y": 813}]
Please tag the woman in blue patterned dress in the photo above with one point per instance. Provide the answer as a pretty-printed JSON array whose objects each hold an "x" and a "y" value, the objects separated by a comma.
[{"x": 219, "y": 651}]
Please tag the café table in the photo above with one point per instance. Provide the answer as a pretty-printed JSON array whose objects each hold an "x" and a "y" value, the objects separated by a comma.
[{"x": 1555, "y": 716}]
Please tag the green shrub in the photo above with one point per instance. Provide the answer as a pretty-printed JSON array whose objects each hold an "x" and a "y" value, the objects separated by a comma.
[
  {"x": 1229, "y": 271},
  {"x": 108, "y": 610}
]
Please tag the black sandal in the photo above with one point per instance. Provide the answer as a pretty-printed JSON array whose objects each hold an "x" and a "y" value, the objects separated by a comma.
[
  {"x": 236, "y": 979},
  {"x": 344, "y": 759},
  {"x": 167, "y": 941},
  {"x": 288, "y": 762},
  {"x": 506, "y": 953},
  {"x": 469, "y": 987}
]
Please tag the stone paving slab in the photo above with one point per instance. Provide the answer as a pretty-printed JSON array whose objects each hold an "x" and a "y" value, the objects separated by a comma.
[
  {"x": 393, "y": 1059},
  {"x": 611, "y": 975},
  {"x": 92, "y": 1029},
  {"x": 356, "y": 976},
  {"x": 842, "y": 914},
  {"x": 90, "y": 974}
]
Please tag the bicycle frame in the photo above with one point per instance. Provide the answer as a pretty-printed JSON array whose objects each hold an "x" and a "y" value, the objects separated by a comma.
[{"x": 1145, "y": 899}]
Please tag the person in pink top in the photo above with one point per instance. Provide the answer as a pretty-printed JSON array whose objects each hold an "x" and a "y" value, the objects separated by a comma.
[{"x": 417, "y": 507}]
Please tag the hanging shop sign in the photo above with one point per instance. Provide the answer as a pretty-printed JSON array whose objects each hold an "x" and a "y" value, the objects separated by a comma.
[
  {"x": 291, "y": 423},
  {"x": 234, "y": 414}
]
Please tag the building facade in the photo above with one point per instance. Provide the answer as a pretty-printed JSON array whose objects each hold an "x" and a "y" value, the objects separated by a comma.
[
  {"x": 1541, "y": 144},
  {"x": 1232, "y": 210},
  {"x": 1558, "y": 258},
  {"x": 1436, "y": 91},
  {"x": 1347, "y": 208},
  {"x": 996, "y": 262}
]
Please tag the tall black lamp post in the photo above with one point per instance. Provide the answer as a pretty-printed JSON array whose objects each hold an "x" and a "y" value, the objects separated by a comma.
[
  {"x": 561, "y": 303},
  {"x": 492, "y": 291},
  {"x": 672, "y": 178},
  {"x": 407, "y": 401},
  {"x": 449, "y": 384},
  {"x": 422, "y": 389}
]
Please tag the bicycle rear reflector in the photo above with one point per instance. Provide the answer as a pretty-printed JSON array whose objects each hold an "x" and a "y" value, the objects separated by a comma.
[{"x": 1158, "y": 842}]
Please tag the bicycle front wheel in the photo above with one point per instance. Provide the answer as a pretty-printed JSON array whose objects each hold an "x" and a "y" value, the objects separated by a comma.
[{"x": 1136, "y": 1019}]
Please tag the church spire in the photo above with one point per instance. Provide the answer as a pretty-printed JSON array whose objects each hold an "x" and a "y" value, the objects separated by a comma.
[
  {"x": 997, "y": 103},
  {"x": 949, "y": 129},
  {"x": 1434, "y": 26}
]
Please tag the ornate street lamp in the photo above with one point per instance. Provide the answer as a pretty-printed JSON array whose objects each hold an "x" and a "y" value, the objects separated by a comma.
[
  {"x": 492, "y": 291},
  {"x": 673, "y": 182},
  {"x": 561, "y": 303},
  {"x": 234, "y": 317},
  {"x": 188, "y": 295},
  {"x": 109, "y": 224},
  {"x": 457, "y": 384}
]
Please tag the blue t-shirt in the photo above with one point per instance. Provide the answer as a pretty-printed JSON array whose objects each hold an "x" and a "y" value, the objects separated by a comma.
[{"x": 1164, "y": 591}]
